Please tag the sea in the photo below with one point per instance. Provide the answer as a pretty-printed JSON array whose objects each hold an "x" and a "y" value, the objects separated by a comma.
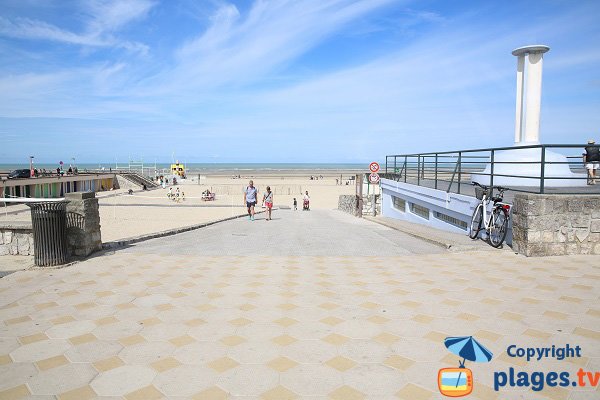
[{"x": 200, "y": 168}]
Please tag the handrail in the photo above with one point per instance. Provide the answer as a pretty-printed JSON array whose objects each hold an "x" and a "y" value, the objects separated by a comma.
[{"x": 456, "y": 167}]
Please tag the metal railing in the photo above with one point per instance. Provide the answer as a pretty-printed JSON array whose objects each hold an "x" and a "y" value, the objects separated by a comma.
[{"x": 549, "y": 168}]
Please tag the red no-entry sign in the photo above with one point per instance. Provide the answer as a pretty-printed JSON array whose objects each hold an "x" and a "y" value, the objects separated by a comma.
[
  {"x": 374, "y": 178},
  {"x": 374, "y": 167}
]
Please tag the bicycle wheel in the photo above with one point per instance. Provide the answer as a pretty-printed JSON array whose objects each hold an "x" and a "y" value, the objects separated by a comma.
[
  {"x": 499, "y": 227},
  {"x": 476, "y": 221}
]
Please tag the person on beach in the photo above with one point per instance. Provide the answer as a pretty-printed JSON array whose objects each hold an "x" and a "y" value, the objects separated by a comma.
[
  {"x": 306, "y": 205},
  {"x": 250, "y": 195},
  {"x": 591, "y": 159},
  {"x": 295, "y": 204},
  {"x": 268, "y": 202}
]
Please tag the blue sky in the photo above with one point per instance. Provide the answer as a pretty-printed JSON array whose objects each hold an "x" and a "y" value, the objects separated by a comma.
[{"x": 285, "y": 81}]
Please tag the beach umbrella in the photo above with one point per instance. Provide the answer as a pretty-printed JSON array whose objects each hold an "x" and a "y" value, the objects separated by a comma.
[{"x": 469, "y": 349}]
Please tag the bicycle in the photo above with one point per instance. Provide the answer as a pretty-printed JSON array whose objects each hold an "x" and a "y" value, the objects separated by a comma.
[{"x": 496, "y": 224}]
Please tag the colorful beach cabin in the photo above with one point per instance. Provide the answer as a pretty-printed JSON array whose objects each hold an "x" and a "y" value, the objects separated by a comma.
[{"x": 178, "y": 170}]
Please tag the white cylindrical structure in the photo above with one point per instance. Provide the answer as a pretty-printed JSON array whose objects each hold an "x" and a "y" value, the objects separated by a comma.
[
  {"x": 520, "y": 95},
  {"x": 534, "y": 98},
  {"x": 529, "y": 88}
]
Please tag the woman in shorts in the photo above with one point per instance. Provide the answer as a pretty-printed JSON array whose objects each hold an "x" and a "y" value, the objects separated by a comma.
[{"x": 268, "y": 201}]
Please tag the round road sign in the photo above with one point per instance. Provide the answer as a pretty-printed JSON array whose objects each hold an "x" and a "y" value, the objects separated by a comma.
[
  {"x": 374, "y": 178},
  {"x": 374, "y": 167}
]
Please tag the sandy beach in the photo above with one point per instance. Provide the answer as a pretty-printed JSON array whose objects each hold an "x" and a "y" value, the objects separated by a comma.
[{"x": 124, "y": 216}]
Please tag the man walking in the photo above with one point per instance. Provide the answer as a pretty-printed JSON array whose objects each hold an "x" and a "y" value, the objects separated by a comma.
[
  {"x": 250, "y": 198},
  {"x": 591, "y": 159}
]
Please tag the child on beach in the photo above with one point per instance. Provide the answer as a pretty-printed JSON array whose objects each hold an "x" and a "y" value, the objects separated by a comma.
[{"x": 268, "y": 200}]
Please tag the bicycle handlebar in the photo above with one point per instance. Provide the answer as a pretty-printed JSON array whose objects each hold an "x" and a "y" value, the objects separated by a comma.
[{"x": 500, "y": 188}]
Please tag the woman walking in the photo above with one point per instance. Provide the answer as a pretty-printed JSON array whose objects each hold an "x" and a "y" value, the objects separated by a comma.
[{"x": 268, "y": 200}]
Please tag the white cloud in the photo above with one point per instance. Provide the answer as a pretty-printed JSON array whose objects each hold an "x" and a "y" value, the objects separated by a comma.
[{"x": 104, "y": 18}]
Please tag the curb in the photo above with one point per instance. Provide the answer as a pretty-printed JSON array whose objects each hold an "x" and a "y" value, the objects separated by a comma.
[
  {"x": 445, "y": 244},
  {"x": 136, "y": 239}
]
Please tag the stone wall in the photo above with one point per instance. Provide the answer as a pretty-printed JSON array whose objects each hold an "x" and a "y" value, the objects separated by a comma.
[
  {"x": 348, "y": 203},
  {"x": 16, "y": 238},
  {"x": 83, "y": 224},
  {"x": 548, "y": 225}
]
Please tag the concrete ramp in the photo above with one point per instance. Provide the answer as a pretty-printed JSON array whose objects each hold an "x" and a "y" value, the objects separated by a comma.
[{"x": 294, "y": 233}]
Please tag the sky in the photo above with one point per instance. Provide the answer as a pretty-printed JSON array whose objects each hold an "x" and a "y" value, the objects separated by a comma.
[{"x": 285, "y": 81}]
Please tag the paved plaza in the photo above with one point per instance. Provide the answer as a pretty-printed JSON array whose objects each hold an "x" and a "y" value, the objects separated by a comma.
[{"x": 315, "y": 305}]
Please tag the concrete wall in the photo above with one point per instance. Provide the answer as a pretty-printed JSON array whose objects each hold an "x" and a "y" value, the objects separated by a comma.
[
  {"x": 348, "y": 203},
  {"x": 547, "y": 225},
  {"x": 16, "y": 238},
  {"x": 451, "y": 204}
]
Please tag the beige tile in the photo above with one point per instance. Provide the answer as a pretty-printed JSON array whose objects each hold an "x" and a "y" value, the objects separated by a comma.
[
  {"x": 106, "y": 321},
  {"x": 43, "y": 306},
  {"x": 386, "y": 338},
  {"x": 151, "y": 321},
  {"x": 329, "y": 306},
  {"x": 5, "y": 359},
  {"x": 282, "y": 364},
  {"x": 146, "y": 393},
  {"x": 399, "y": 362},
  {"x": 286, "y": 321},
  {"x": 108, "y": 364},
  {"x": 85, "y": 306},
  {"x": 332, "y": 321},
  {"x": 240, "y": 321},
  {"x": 347, "y": 393},
  {"x": 341, "y": 363},
  {"x": 165, "y": 364},
  {"x": 62, "y": 320},
  {"x": 232, "y": 340},
  {"x": 195, "y": 322},
  {"x": 279, "y": 393},
  {"x": 212, "y": 393},
  {"x": 223, "y": 364},
  {"x": 15, "y": 393},
  {"x": 335, "y": 339},
  {"x": 422, "y": 318},
  {"x": 588, "y": 333},
  {"x": 33, "y": 338},
  {"x": 556, "y": 315},
  {"x": 132, "y": 340},
  {"x": 51, "y": 362},
  {"x": 17, "y": 320},
  {"x": 81, "y": 393},
  {"x": 164, "y": 307},
  {"x": 247, "y": 307},
  {"x": 468, "y": 316},
  {"x": 284, "y": 340},
  {"x": 511, "y": 316},
  {"x": 378, "y": 319},
  {"x": 81, "y": 339}
]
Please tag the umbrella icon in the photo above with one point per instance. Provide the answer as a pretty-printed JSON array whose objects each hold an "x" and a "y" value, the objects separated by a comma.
[{"x": 469, "y": 349}]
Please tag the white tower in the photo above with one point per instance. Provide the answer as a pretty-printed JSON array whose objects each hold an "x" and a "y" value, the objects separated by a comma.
[
  {"x": 522, "y": 166},
  {"x": 529, "y": 89}
]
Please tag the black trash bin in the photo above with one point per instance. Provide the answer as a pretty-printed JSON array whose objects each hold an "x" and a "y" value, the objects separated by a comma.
[{"x": 49, "y": 221}]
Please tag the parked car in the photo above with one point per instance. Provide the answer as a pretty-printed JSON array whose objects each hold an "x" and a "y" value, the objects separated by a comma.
[{"x": 19, "y": 173}]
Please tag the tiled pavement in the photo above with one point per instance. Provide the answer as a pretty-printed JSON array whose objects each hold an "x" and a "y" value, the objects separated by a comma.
[{"x": 144, "y": 326}]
